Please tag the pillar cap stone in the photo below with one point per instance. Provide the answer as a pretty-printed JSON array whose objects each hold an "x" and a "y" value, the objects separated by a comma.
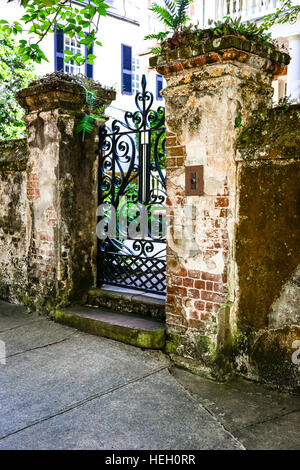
[
  {"x": 60, "y": 91},
  {"x": 220, "y": 50}
]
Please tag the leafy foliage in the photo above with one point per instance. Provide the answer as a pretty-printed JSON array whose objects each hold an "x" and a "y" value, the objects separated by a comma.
[
  {"x": 14, "y": 75},
  {"x": 250, "y": 30},
  {"x": 173, "y": 16},
  {"x": 286, "y": 13},
  {"x": 87, "y": 123},
  {"x": 187, "y": 35},
  {"x": 41, "y": 17}
]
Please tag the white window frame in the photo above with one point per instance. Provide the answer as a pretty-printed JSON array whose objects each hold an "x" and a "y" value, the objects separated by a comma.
[{"x": 72, "y": 44}]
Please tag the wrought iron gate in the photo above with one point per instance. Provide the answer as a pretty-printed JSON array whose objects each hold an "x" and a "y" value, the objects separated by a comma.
[{"x": 132, "y": 188}]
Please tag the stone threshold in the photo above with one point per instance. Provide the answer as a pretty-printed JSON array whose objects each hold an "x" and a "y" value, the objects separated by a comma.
[
  {"x": 128, "y": 328},
  {"x": 124, "y": 293},
  {"x": 121, "y": 299}
]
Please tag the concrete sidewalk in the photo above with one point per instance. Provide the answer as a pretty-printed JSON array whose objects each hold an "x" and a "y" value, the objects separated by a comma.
[{"x": 63, "y": 389}]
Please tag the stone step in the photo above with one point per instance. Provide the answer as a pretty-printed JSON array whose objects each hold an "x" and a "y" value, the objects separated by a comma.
[
  {"x": 131, "y": 329},
  {"x": 120, "y": 299}
]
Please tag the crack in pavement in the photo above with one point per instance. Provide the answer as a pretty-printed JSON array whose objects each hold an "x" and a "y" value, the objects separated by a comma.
[
  {"x": 231, "y": 431},
  {"x": 211, "y": 413},
  {"x": 84, "y": 401},
  {"x": 23, "y": 324},
  {"x": 267, "y": 420},
  {"x": 40, "y": 347}
]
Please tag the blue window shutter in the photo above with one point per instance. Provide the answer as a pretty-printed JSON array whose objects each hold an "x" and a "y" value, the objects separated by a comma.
[
  {"x": 89, "y": 68},
  {"x": 59, "y": 49},
  {"x": 159, "y": 86},
  {"x": 126, "y": 81}
]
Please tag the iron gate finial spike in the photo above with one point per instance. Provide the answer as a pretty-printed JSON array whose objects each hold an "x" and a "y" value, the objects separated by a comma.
[{"x": 144, "y": 83}]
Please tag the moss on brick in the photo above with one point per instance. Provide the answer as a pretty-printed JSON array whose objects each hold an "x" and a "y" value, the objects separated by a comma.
[{"x": 271, "y": 133}]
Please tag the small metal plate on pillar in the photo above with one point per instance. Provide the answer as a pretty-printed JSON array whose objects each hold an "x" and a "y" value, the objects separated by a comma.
[{"x": 194, "y": 180}]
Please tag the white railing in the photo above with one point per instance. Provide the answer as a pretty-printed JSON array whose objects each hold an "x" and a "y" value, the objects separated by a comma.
[{"x": 246, "y": 9}]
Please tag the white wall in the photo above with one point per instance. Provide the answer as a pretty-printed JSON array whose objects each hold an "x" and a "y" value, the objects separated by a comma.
[
  {"x": 287, "y": 34},
  {"x": 112, "y": 33}
]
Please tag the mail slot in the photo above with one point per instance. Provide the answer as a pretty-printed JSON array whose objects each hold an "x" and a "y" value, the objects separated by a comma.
[{"x": 194, "y": 181}]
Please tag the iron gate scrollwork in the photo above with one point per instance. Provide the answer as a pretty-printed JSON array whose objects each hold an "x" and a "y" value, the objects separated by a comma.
[{"x": 132, "y": 189}]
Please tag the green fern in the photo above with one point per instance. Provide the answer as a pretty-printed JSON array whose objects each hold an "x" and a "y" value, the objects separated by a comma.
[
  {"x": 174, "y": 14},
  {"x": 164, "y": 15},
  {"x": 85, "y": 125},
  {"x": 159, "y": 36},
  {"x": 182, "y": 17}
]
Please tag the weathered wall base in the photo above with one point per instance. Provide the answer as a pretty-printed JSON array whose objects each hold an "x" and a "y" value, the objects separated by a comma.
[{"x": 15, "y": 221}]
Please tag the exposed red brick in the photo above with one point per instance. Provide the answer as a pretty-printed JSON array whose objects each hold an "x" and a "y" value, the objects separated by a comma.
[
  {"x": 44, "y": 237},
  {"x": 211, "y": 296},
  {"x": 187, "y": 282},
  {"x": 199, "y": 305},
  {"x": 196, "y": 62},
  {"x": 180, "y": 161},
  {"x": 212, "y": 58},
  {"x": 205, "y": 316},
  {"x": 216, "y": 308},
  {"x": 209, "y": 285},
  {"x": 194, "y": 315},
  {"x": 171, "y": 162},
  {"x": 174, "y": 319},
  {"x": 178, "y": 281},
  {"x": 170, "y": 134},
  {"x": 218, "y": 287},
  {"x": 197, "y": 324},
  {"x": 200, "y": 284},
  {"x": 177, "y": 291},
  {"x": 222, "y": 202},
  {"x": 178, "y": 151},
  {"x": 182, "y": 272},
  {"x": 170, "y": 299},
  {"x": 194, "y": 274},
  {"x": 211, "y": 277},
  {"x": 224, "y": 213},
  {"x": 171, "y": 141},
  {"x": 194, "y": 293}
]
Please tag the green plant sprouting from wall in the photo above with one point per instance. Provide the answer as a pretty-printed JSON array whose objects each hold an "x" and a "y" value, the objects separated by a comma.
[
  {"x": 91, "y": 116},
  {"x": 173, "y": 16},
  {"x": 247, "y": 29},
  {"x": 182, "y": 34}
]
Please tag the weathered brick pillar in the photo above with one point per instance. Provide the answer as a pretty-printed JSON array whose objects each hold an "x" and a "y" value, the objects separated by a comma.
[
  {"x": 209, "y": 85},
  {"x": 61, "y": 189}
]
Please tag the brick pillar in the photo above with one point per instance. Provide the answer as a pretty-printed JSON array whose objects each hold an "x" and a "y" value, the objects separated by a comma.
[
  {"x": 61, "y": 190},
  {"x": 209, "y": 85}
]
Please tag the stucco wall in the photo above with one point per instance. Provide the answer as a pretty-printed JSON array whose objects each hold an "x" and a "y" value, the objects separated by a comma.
[
  {"x": 14, "y": 220},
  {"x": 232, "y": 286},
  {"x": 209, "y": 85},
  {"x": 267, "y": 248},
  {"x": 48, "y": 198}
]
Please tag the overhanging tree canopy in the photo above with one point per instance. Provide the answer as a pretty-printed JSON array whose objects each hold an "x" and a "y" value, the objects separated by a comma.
[{"x": 41, "y": 17}]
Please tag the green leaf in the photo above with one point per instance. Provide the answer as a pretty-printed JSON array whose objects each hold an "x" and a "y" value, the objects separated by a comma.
[{"x": 85, "y": 125}]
